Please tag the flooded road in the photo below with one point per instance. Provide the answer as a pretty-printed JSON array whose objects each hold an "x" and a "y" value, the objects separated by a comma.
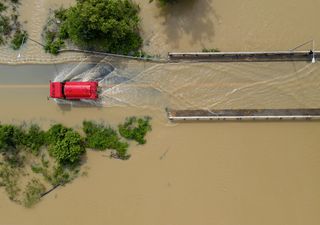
[{"x": 189, "y": 173}]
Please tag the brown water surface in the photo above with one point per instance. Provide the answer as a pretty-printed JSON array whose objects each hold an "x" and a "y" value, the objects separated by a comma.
[{"x": 191, "y": 173}]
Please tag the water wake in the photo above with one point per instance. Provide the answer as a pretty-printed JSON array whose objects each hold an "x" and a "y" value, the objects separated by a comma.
[{"x": 198, "y": 85}]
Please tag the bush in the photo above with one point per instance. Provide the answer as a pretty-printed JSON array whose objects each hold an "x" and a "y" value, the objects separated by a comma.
[
  {"x": 2, "y": 7},
  {"x": 135, "y": 129},
  {"x": 18, "y": 39},
  {"x": 108, "y": 25},
  {"x": 67, "y": 151},
  {"x": 57, "y": 132},
  {"x": 5, "y": 28},
  {"x": 34, "y": 139},
  {"x": 102, "y": 137},
  {"x": 11, "y": 137},
  {"x": 99, "y": 136},
  {"x": 53, "y": 43},
  {"x": 33, "y": 193}
]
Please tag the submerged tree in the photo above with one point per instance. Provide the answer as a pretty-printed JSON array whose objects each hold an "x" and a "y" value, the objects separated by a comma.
[{"x": 109, "y": 25}]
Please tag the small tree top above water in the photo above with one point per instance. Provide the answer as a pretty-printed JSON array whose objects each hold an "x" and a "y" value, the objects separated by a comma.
[{"x": 109, "y": 25}]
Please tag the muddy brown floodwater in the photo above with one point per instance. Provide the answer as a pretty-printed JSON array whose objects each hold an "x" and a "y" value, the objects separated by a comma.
[
  {"x": 231, "y": 173},
  {"x": 189, "y": 173}
]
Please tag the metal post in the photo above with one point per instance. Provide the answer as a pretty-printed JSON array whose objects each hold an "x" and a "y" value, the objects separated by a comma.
[{"x": 313, "y": 56}]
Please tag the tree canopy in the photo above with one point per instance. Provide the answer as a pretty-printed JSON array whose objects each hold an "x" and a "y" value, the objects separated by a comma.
[{"x": 109, "y": 25}]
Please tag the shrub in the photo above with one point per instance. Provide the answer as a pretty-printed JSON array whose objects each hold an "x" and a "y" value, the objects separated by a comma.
[
  {"x": 11, "y": 137},
  {"x": 57, "y": 132},
  {"x": 33, "y": 193},
  {"x": 2, "y": 7},
  {"x": 18, "y": 39},
  {"x": 53, "y": 43},
  {"x": 99, "y": 136},
  {"x": 135, "y": 129},
  {"x": 60, "y": 176},
  {"x": 103, "y": 137},
  {"x": 34, "y": 139},
  {"x": 68, "y": 150},
  {"x": 5, "y": 28}
]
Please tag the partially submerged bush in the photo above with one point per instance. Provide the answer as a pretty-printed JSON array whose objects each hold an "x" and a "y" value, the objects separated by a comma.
[
  {"x": 18, "y": 39},
  {"x": 9, "y": 179},
  {"x": 11, "y": 137},
  {"x": 135, "y": 129},
  {"x": 9, "y": 23},
  {"x": 53, "y": 43},
  {"x": 33, "y": 193},
  {"x": 2, "y": 7},
  {"x": 57, "y": 132},
  {"x": 34, "y": 139},
  {"x": 101, "y": 137},
  {"x": 67, "y": 151}
]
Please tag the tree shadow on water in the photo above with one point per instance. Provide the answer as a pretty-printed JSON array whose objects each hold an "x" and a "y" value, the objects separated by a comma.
[{"x": 193, "y": 18}]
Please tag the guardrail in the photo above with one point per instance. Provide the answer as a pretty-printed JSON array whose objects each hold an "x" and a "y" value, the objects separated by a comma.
[
  {"x": 245, "y": 56},
  {"x": 243, "y": 114}
]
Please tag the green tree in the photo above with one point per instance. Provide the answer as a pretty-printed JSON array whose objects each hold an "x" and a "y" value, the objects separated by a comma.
[
  {"x": 109, "y": 25},
  {"x": 67, "y": 151}
]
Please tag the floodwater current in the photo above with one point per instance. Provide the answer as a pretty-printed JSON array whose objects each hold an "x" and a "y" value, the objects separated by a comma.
[{"x": 190, "y": 173}]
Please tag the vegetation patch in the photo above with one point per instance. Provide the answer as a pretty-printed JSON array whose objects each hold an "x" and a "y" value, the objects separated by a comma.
[
  {"x": 68, "y": 150},
  {"x": 103, "y": 25},
  {"x": 9, "y": 180},
  {"x": 135, "y": 128},
  {"x": 210, "y": 50},
  {"x": 18, "y": 39},
  {"x": 10, "y": 28},
  {"x": 33, "y": 193},
  {"x": 102, "y": 137},
  {"x": 53, "y": 157}
]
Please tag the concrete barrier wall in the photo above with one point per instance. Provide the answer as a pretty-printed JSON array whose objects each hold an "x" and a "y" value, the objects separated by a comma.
[
  {"x": 244, "y": 56},
  {"x": 243, "y": 114}
]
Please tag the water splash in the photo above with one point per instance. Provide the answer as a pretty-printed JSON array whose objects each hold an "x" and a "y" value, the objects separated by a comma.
[{"x": 199, "y": 85}]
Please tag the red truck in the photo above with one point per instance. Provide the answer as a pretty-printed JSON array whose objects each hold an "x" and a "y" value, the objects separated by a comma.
[{"x": 74, "y": 90}]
